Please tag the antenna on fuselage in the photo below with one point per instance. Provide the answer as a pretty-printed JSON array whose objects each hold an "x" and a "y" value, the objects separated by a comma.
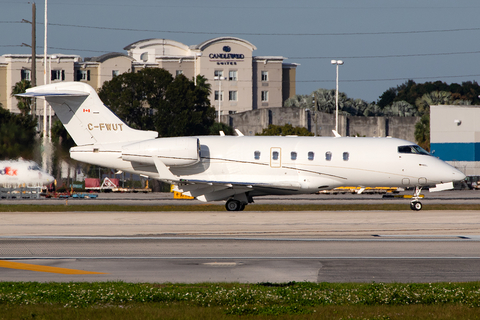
[{"x": 239, "y": 133}]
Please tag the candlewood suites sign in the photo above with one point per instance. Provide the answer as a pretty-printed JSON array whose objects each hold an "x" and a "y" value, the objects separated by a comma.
[{"x": 226, "y": 58}]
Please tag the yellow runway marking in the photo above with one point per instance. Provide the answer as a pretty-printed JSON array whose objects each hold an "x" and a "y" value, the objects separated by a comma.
[{"x": 34, "y": 267}]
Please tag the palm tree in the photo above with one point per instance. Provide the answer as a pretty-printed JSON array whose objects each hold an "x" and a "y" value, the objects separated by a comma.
[{"x": 23, "y": 104}]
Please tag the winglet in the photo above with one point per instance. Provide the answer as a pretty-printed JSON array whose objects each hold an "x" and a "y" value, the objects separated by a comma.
[{"x": 336, "y": 134}]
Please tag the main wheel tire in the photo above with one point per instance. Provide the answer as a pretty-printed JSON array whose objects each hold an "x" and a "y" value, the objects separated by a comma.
[
  {"x": 242, "y": 206},
  {"x": 233, "y": 205}
]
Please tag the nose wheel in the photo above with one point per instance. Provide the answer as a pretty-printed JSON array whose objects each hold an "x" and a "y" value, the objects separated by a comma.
[{"x": 416, "y": 205}]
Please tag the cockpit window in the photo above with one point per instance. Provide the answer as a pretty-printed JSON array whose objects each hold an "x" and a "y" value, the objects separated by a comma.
[
  {"x": 412, "y": 149},
  {"x": 36, "y": 168}
]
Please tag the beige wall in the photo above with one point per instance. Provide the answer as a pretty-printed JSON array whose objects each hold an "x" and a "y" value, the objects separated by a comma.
[
  {"x": 14, "y": 64},
  {"x": 3, "y": 85},
  {"x": 186, "y": 65},
  {"x": 121, "y": 64},
  {"x": 244, "y": 86},
  {"x": 289, "y": 82},
  {"x": 273, "y": 84}
]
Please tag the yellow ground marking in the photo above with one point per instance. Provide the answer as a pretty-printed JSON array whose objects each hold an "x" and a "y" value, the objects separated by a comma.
[{"x": 34, "y": 267}]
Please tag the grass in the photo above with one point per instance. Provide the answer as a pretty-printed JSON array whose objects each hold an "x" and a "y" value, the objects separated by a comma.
[
  {"x": 113, "y": 300},
  {"x": 221, "y": 207}
]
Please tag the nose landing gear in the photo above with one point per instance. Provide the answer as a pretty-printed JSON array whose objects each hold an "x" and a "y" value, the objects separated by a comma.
[{"x": 416, "y": 204}]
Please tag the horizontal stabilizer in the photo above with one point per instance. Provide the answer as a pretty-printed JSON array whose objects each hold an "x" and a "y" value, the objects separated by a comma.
[
  {"x": 53, "y": 94},
  {"x": 86, "y": 118}
]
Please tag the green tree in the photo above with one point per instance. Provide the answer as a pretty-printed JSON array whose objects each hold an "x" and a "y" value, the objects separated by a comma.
[
  {"x": 186, "y": 109},
  {"x": 411, "y": 91},
  {"x": 323, "y": 100},
  {"x": 285, "y": 130},
  {"x": 23, "y": 104},
  {"x": 152, "y": 99},
  {"x": 401, "y": 109},
  {"x": 17, "y": 135},
  {"x": 219, "y": 126},
  {"x": 422, "y": 132}
]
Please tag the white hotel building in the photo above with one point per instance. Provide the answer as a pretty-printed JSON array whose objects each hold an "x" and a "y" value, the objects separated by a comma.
[{"x": 239, "y": 81}]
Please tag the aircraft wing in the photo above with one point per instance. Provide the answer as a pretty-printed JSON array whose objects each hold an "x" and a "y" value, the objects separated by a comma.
[{"x": 205, "y": 190}]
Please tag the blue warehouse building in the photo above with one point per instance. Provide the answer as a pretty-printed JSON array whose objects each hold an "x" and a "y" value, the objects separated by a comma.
[{"x": 455, "y": 136}]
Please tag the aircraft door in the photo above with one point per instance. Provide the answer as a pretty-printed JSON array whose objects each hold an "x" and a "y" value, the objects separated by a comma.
[{"x": 275, "y": 157}]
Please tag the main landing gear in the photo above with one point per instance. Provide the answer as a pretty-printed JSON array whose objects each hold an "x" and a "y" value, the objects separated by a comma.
[
  {"x": 235, "y": 205},
  {"x": 416, "y": 204}
]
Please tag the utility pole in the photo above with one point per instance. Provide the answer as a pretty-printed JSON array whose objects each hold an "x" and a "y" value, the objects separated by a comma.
[{"x": 34, "y": 46}]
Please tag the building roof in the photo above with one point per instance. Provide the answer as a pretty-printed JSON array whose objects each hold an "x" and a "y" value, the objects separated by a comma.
[
  {"x": 207, "y": 43},
  {"x": 106, "y": 56},
  {"x": 155, "y": 42}
]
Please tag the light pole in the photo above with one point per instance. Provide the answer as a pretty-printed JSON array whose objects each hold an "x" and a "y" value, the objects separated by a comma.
[
  {"x": 337, "y": 63},
  {"x": 219, "y": 78}
]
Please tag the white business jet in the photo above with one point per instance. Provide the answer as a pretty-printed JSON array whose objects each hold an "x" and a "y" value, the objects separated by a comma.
[
  {"x": 20, "y": 173},
  {"x": 237, "y": 168}
]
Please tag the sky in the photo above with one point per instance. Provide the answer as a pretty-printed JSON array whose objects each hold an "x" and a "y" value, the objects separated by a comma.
[{"x": 383, "y": 43}]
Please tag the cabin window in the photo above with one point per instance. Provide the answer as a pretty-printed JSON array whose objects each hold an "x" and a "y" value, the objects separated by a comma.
[
  {"x": 256, "y": 155},
  {"x": 293, "y": 155},
  {"x": 346, "y": 156},
  {"x": 311, "y": 155},
  {"x": 275, "y": 155},
  {"x": 328, "y": 156}
]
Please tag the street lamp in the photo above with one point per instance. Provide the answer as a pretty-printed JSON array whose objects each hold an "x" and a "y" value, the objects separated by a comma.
[
  {"x": 337, "y": 63},
  {"x": 219, "y": 78}
]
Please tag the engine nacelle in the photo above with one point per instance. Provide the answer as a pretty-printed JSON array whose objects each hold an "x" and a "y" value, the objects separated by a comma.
[{"x": 181, "y": 151}]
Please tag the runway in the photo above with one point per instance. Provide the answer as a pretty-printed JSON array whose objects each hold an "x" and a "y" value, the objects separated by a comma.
[{"x": 348, "y": 246}]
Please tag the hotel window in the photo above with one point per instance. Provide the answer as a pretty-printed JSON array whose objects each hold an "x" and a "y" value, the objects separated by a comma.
[
  {"x": 264, "y": 96},
  {"x": 114, "y": 73},
  {"x": 26, "y": 74},
  {"x": 58, "y": 75},
  {"x": 264, "y": 75},
  {"x": 83, "y": 75},
  {"x": 218, "y": 94},
  {"x": 218, "y": 74},
  {"x": 178, "y": 72},
  {"x": 232, "y": 95},
  {"x": 232, "y": 75}
]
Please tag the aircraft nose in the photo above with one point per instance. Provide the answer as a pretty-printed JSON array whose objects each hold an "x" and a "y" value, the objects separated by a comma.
[
  {"x": 455, "y": 175},
  {"x": 47, "y": 179}
]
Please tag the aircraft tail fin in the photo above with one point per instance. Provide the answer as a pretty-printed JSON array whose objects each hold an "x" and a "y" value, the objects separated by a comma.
[{"x": 86, "y": 118}]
